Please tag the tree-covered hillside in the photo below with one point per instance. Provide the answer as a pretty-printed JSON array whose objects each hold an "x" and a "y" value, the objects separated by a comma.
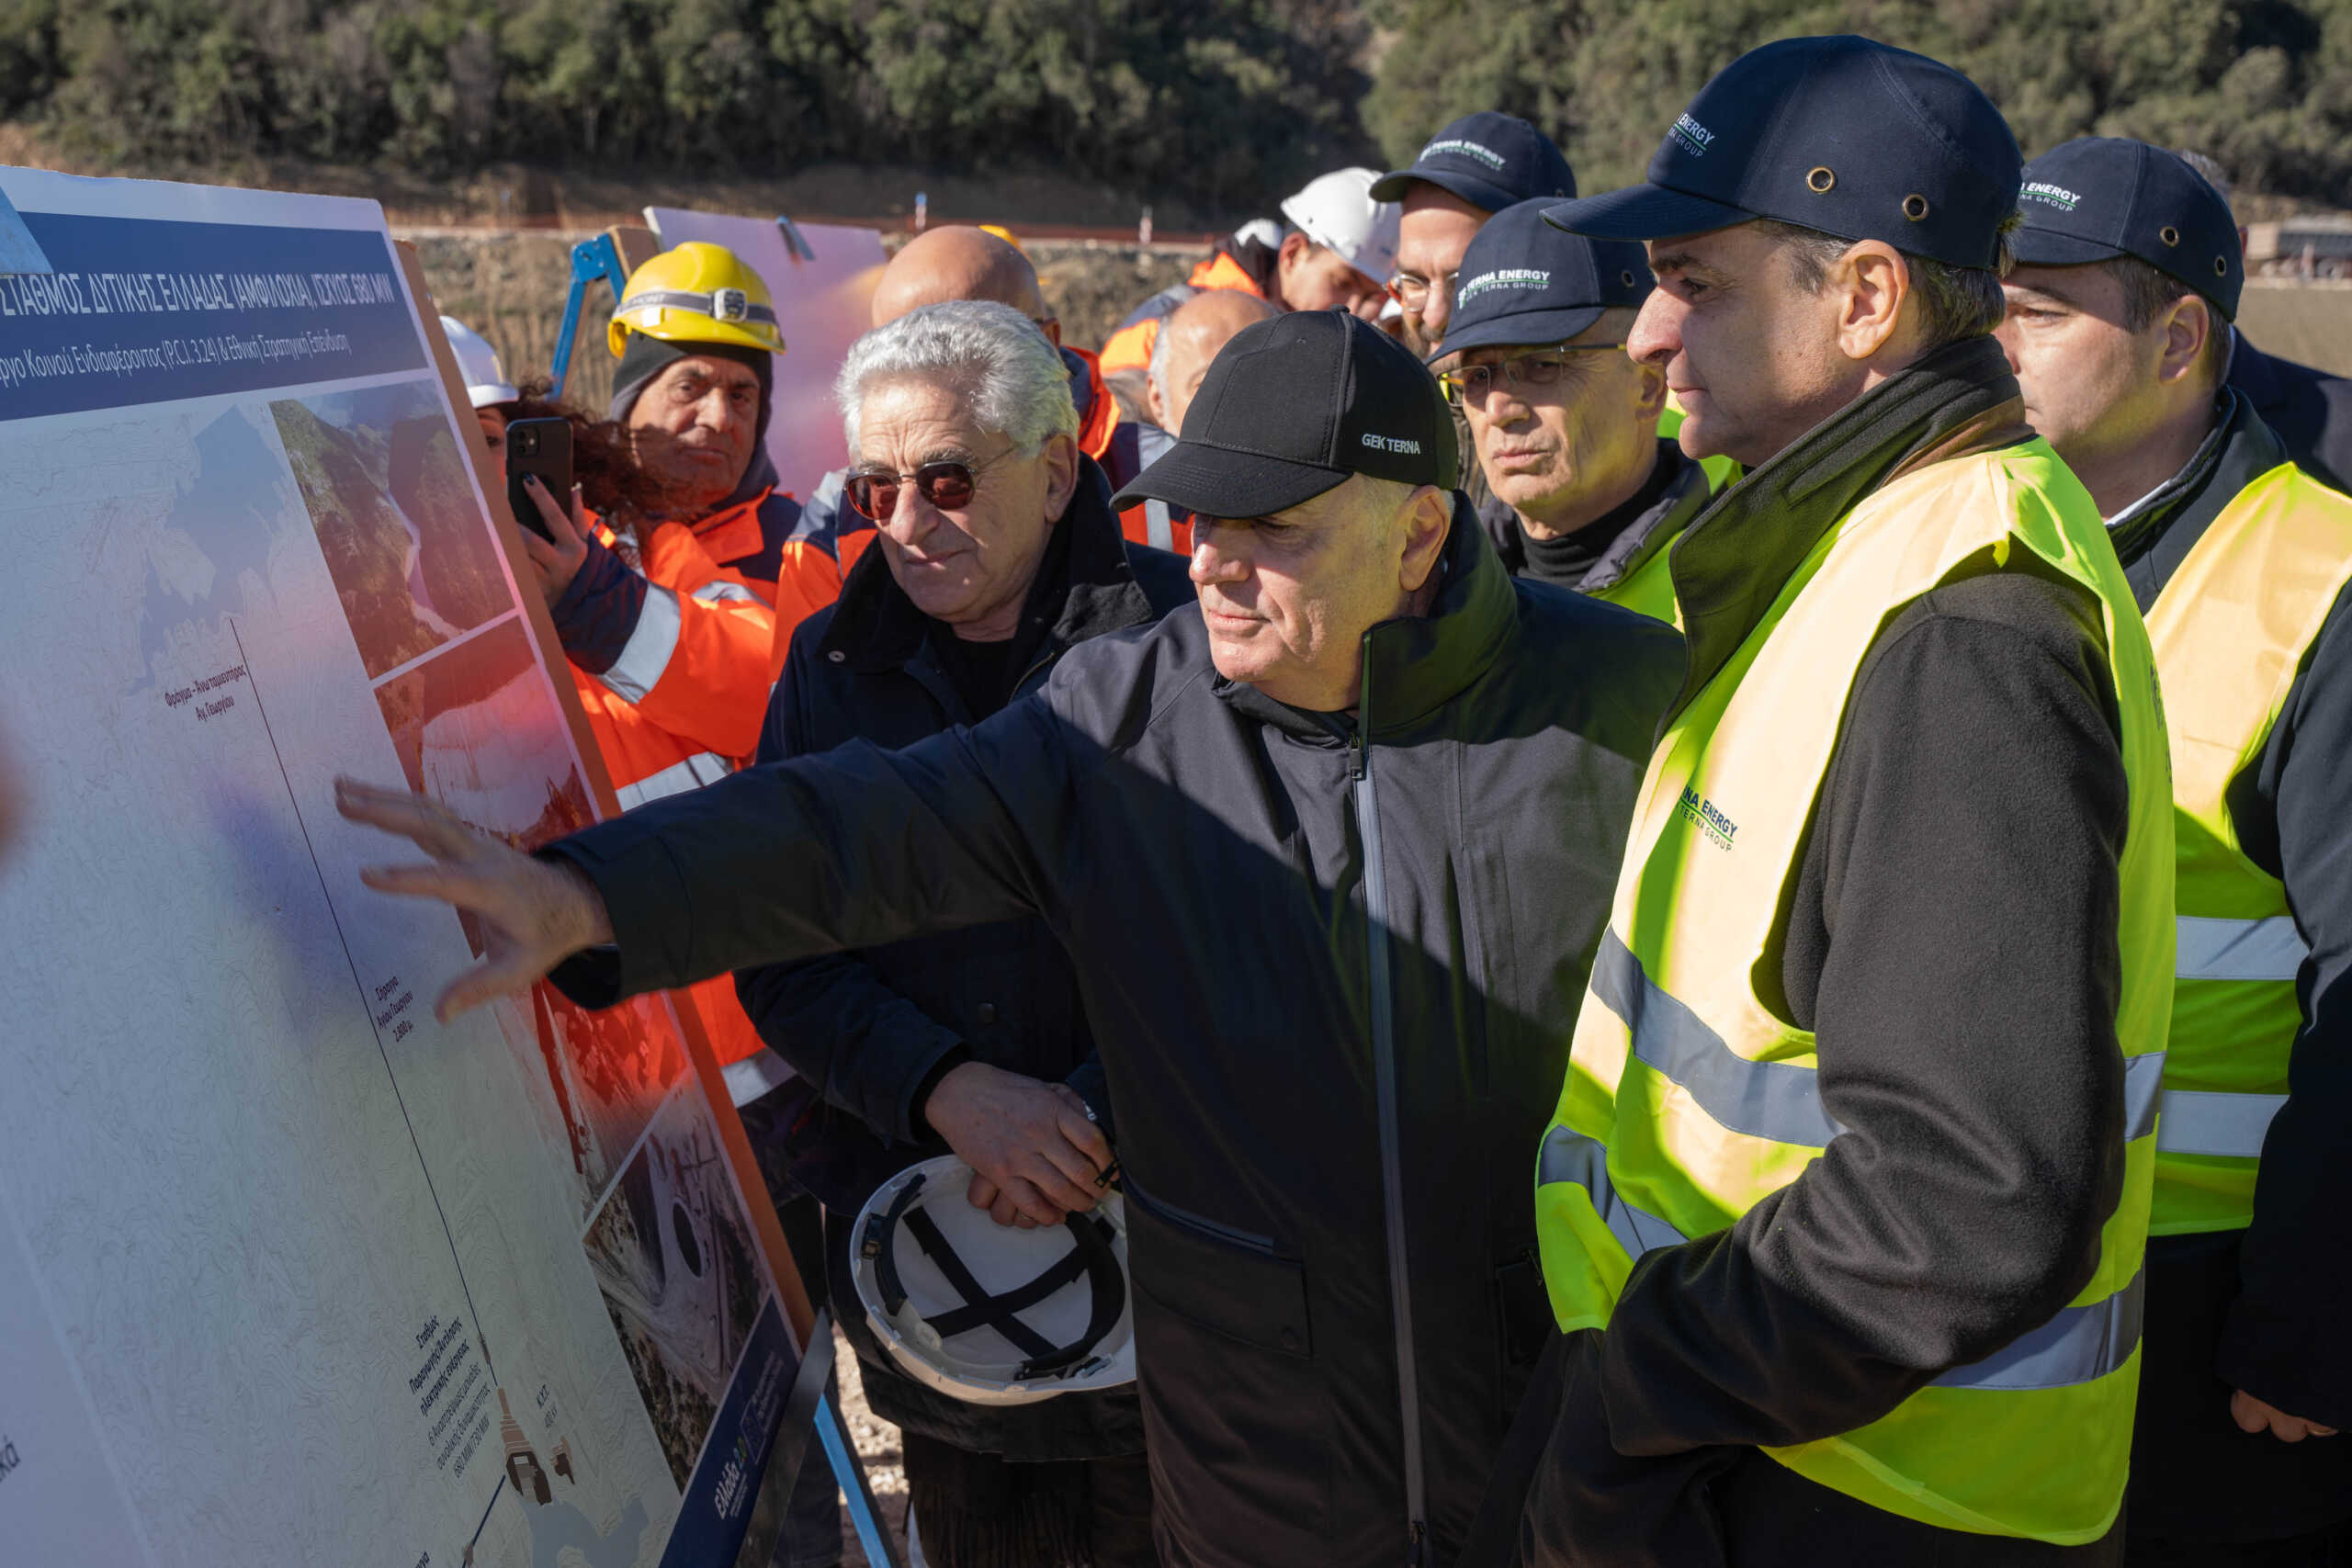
[{"x": 2266, "y": 86}]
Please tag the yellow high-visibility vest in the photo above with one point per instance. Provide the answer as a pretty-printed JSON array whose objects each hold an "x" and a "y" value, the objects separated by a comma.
[
  {"x": 1687, "y": 1100},
  {"x": 2230, "y": 631}
]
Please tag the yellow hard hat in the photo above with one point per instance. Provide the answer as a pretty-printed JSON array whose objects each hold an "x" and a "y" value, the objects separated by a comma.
[
  {"x": 698, "y": 293},
  {"x": 1007, "y": 235}
]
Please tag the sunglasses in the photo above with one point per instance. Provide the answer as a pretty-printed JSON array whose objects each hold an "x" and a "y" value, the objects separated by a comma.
[
  {"x": 1541, "y": 367},
  {"x": 948, "y": 486}
]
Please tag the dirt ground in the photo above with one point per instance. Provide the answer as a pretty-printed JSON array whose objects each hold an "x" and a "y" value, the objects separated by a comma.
[{"x": 878, "y": 1447}]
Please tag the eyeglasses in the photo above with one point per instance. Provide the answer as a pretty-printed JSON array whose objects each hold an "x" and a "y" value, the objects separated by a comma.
[
  {"x": 1537, "y": 367},
  {"x": 1414, "y": 292},
  {"x": 949, "y": 486}
]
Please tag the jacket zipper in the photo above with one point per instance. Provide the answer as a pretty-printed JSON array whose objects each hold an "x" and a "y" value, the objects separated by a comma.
[
  {"x": 1185, "y": 1219},
  {"x": 1392, "y": 1159}
]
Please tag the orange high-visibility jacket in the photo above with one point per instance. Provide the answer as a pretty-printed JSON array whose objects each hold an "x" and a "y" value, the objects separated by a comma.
[{"x": 685, "y": 689}]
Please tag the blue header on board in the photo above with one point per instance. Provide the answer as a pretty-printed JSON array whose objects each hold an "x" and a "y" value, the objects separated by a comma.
[{"x": 144, "y": 310}]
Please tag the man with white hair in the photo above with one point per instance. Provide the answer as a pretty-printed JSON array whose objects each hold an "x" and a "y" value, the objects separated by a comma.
[{"x": 996, "y": 551}]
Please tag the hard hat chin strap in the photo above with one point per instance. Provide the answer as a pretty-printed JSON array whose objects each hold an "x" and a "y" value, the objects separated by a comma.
[{"x": 1091, "y": 1256}]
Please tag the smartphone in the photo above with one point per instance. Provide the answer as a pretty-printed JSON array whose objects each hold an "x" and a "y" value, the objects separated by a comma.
[{"x": 541, "y": 447}]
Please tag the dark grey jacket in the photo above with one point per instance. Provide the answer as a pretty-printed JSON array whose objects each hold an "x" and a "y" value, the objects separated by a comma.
[{"x": 1332, "y": 969}]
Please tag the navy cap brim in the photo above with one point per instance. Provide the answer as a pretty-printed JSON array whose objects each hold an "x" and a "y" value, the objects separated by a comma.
[
  {"x": 1469, "y": 187},
  {"x": 2042, "y": 247},
  {"x": 1530, "y": 329},
  {"x": 1217, "y": 481},
  {"x": 1644, "y": 212}
]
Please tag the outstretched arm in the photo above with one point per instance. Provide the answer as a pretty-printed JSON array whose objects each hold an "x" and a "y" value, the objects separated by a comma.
[{"x": 853, "y": 849}]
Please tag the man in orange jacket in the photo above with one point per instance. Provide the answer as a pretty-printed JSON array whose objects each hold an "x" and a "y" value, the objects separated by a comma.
[{"x": 670, "y": 619}]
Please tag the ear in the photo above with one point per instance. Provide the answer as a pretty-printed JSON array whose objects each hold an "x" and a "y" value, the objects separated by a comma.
[
  {"x": 1428, "y": 518},
  {"x": 1062, "y": 467},
  {"x": 2187, "y": 325},
  {"x": 1649, "y": 391},
  {"x": 1868, "y": 286},
  {"x": 1154, "y": 405},
  {"x": 1052, "y": 327},
  {"x": 1294, "y": 245}
]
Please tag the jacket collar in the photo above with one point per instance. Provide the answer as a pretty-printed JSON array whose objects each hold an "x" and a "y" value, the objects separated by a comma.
[
  {"x": 1685, "y": 496},
  {"x": 1732, "y": 561},
  {"x": 1084, "y": 587},
  {"x": 1416, "y": 665},
  {"x": 2155, "y": 533}
]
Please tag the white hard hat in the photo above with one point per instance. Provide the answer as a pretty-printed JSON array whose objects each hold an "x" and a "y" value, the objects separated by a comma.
[
  {"x": 486, "y": 382},
  {"x": 990, "y": 1314},
  {"x": 1336, "y": 210}
]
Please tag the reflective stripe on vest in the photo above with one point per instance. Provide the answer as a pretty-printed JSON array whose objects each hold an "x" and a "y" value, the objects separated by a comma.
[
  {"x": 1159, "y": 529},
  {"x": 2077, "y": 1345},
  {"x": 703, "y": 768},
  {"x": 2227, "y": 1125},
  {"x": 1778, "y": 1100},
  {"x": 1690, "y": 1098},
  {"x": 2231, "y": 629}
]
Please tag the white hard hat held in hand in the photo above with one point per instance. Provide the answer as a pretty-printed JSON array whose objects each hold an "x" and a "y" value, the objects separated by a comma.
[
  {"x": 988, "y": 1314},
  {"x": 1336, "y": 210},
  {"x": 485, "y": 378}
]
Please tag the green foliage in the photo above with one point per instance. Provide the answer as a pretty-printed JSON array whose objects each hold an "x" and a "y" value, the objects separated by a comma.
[
  {"x": 1224, "y": 102},
  {"x": 2265, "y": 85}
]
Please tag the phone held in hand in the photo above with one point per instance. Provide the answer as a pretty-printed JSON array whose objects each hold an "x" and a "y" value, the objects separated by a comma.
[{"x": 540, "y": 446}]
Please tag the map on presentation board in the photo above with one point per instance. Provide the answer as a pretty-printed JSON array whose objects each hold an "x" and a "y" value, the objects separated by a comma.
[{"x": 289, "y": 1272}]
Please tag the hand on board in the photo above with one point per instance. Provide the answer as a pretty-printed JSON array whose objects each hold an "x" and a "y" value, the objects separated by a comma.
[
  {"x": 2253, "y": 1415},
  {"x": 1035, "y": 1157},
  {"x": 556, "y": 564},
  {"x": 535, "y": 913}
]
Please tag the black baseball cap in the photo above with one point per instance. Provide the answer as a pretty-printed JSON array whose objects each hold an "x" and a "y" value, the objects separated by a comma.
[
  {"x": 1843, "y": 135},
  {"x": 1293, "y": 405},
  {"x": 1525, "y": 282},
  {"x": 2097, "y": 197},
  {"x": 1488, "y": 159}
]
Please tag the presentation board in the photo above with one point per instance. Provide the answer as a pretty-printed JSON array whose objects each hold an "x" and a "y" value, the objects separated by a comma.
[
  {"x": 289, "y": 1272},
  {"x": 822, "y": 305}
]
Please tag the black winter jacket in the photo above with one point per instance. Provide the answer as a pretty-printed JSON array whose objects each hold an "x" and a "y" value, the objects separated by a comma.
[
  {"x": 1294, "y": 932},
  {"x": 869, "y": 1029}
]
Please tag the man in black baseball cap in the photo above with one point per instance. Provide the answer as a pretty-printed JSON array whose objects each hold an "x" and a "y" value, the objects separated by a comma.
[
  {"x": 1844, "y": 1205},
  {"x": 2119, "y": 327},
  {"x": 1332, "y": 856},
  {"x": 1565, "y": 424},
  {"x": 1473, "y": 169}
]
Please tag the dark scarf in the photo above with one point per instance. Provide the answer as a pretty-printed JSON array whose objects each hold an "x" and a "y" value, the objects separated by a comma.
[{"x": 1730, "y": 563}]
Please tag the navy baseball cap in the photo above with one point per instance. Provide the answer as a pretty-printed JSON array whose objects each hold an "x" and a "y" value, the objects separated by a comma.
[
  {"x": 1293, "y": 405},
  {"x": 1523, "y": 281},
  {"x": 2097, "y": 197},
  {"x": 1843, "y": 135},
  {"x": 1488, "y": 159}
]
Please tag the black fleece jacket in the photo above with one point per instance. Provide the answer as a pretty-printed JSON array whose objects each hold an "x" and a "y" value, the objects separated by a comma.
[
  {"x": 1950, "y": 938},
  {"x": 2262, "y": 1309}
]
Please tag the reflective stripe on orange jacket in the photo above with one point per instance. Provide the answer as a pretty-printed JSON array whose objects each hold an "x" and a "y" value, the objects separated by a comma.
[{"x": 682, "y": 702}]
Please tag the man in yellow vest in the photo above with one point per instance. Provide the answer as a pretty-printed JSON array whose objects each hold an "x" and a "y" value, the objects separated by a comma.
[
  {"x": 2119, "y": 327},
  {"x": 1563, "y": 422},
  {"x": 1845, "y": 1199}
]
